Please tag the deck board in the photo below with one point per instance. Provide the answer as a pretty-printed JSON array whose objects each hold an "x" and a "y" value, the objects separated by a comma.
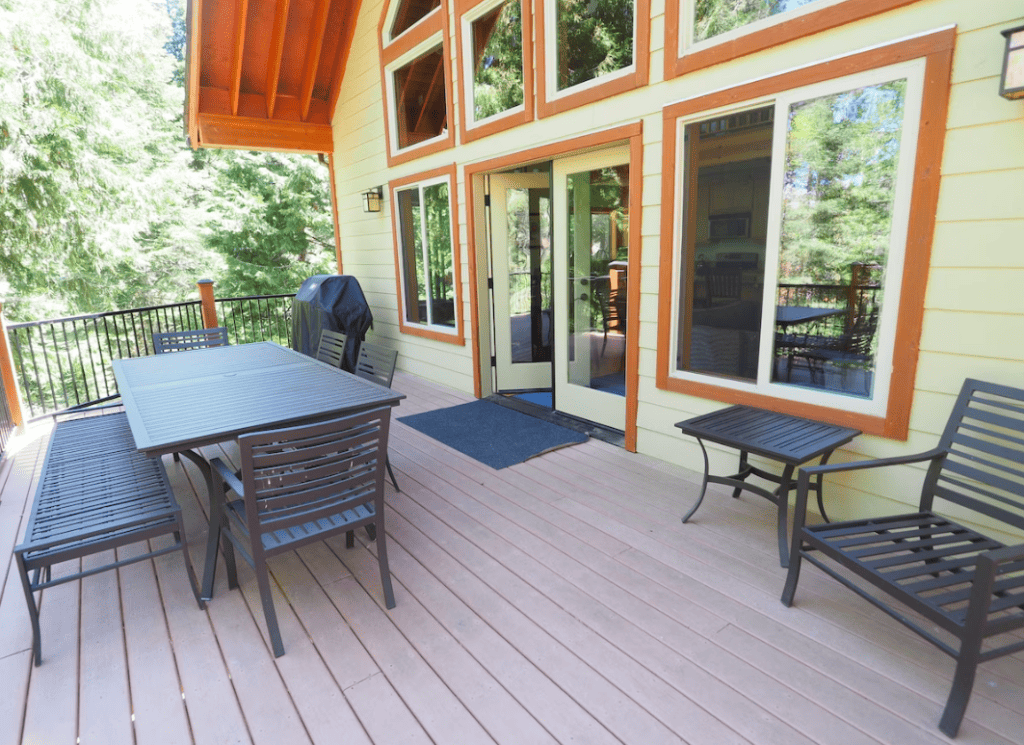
[{"x": 558, "y": 600}]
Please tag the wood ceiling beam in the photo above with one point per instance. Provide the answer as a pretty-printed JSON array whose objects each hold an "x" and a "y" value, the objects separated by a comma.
[
  {"x": 276, "y": 54},
  {"x": 195, "y": 46},
  {"x": 238, "y": 51},
  {"x": 341, "y": 57},
  {"x": 218, "y": 130},
  {"x": 314, "y": 43}
]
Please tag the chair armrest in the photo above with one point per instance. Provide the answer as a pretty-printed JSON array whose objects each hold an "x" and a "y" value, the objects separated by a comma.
[
  {"x": 875, "y": 463},
  {"x": 228, "y": 475},
  {"x": 1003, "y": 555}
]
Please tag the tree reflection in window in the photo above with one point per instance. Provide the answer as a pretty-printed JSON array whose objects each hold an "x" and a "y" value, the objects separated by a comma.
[
  {"x": 714, "y": 17},
  {"x": 427, "y": 257},
  {"x": 595, "y": 38},
  {"x": 498, "y": 60}
]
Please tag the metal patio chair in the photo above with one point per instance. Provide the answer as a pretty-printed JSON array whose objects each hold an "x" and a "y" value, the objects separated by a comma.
[
  {"x": 299, "y": 485},
  {"x": 965, "y": 585},
  {"x": 377, "y": 364},
  {"x": 331, "y": 348}
]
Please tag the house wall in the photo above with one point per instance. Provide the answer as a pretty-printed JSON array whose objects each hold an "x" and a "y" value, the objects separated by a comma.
[{"x": 974, "y": 308}]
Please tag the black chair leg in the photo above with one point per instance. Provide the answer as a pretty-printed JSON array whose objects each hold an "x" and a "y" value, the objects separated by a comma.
[
  {"x": 33, "y": 610},
  {"x": 263, "y": 581},
  {"x": 387, "y": 462}
]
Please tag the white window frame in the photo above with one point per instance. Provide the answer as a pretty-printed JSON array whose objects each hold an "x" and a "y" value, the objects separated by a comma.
[
  {"x": 421, "y": 186},
  {"x": 551, "y": 56},
  {"x": 389, "y": 21},
  {"x": 913, "y": 72},
  {"x": 469, "y": 74},
  {"x": 687, "y": 9},
  {"x": 436, "y": 40}
]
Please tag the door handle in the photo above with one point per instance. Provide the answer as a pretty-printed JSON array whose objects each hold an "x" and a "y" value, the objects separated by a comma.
[{"x": 583, "y": 296}]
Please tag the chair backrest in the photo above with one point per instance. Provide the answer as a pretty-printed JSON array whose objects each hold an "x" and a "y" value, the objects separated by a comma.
[
  {"x": 331, "y": 348},
  {"x": 376, "y": 363},
  {"x": 181, "y": 341},
  {"x": 725, "y": 284},
  {"x": 984, "y": 440},
  {"x": 301, "y": 479}
]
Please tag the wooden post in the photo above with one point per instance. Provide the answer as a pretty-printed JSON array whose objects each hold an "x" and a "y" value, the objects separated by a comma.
[
  {"x": 209, "y": 307},
  {"x": 7, "y": 374}
]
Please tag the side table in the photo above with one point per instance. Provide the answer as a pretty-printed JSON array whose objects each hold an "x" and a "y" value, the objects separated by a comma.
[{"x": 789, "y": 440}]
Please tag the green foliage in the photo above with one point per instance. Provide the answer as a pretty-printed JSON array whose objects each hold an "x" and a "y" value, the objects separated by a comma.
[
  {"x": 714, "y": 17},
  {"x": 841, "y": 160},
  {"x": 498, "y": 79},
  {"x": 102, "y": 205},
  {"x": 595, "y": 37},
  {"x": 270, "y": 219}
]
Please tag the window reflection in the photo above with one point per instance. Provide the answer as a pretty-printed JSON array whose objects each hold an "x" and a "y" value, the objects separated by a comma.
[
  {"x": 595, "y": 38},
  {"x": 498, "y": 60}
]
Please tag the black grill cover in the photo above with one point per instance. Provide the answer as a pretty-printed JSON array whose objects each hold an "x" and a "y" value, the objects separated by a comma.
[{"x": 334, "y": 302}]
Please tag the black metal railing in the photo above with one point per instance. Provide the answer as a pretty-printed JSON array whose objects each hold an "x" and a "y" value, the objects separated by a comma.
[
  {"x": 262, "y": 318},
  {"x": 6, "y": 420},
  {"x": 65, "y": 363}
]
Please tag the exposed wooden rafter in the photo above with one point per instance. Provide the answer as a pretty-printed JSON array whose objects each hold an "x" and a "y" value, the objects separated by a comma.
[
  {"x": 276, "y": 55},
  {"x": 315, "y": 42},
  {"x": 265, "y": 74},
  {"x": 241, "y": 18}
]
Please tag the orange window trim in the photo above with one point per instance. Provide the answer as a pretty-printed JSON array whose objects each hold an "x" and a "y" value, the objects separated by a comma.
[
  {"x": 677, "y": 64},
  {"x": 433, "y": 24},
  {"x": 499, "y": 122},
  {"x": 633, "y": 133},
  {"x": 458, "y": 337},
  {"x": 937, "y": 50},
  {"x": 598, "y": 91}
]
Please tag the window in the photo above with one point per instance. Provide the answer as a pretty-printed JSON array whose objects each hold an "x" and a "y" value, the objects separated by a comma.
[
  {"x": 496, "y": 58},
  {"x": 426, "y": 255},
  {"x": 416, "y": 78},
  {"x": 794, "y": 221},
  {"x": 708, "y": 32},
  {"x": 591, "y": 49}
]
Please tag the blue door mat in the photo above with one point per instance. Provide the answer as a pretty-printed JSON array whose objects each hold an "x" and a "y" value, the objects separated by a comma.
[{"x": 495, "y": 435}]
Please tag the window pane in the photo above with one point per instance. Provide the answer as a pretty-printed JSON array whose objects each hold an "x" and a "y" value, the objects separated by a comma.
[
  {"x": 714, "y": 17},
  {"x": 498, "y": 60},
  {"x": 597, "y": 204},
  {"x": 420, "y": 102},
  {"x": 413, "y": 274},
  {"x": 725, "y": 225},
  {"x": 410, "y": 12},
  {"x": 529, "y": 274},
  {"x": 840, "y": 180},
  {"x": 595, "y": 38},
  {"x": 441, "y": 282}
]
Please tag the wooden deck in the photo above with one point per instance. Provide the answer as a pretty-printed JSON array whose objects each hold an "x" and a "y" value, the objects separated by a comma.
[{"x": 559, "y": 600}]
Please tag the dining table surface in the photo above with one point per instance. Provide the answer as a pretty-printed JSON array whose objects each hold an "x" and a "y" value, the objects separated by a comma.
[
  {"x": 791, "y": 315},
  {"x": 184, "y": 400}
]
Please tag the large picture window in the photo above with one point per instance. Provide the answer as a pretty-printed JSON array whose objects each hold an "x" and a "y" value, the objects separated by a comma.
[
  {"x": 792, "y": 214},
  {"x": 426, "y": 255}
]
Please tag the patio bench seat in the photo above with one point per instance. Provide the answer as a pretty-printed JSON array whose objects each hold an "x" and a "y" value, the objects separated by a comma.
[
  {"x": 96, "y": 492},
  {"x": 963, "y": 583}
]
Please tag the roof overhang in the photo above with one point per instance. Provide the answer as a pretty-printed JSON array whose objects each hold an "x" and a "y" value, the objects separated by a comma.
[{"x": 265, "y": 74}]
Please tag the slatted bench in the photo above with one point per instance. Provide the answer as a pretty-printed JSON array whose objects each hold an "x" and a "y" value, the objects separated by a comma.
[
  {"x": 96, "y": 492},
  {"x": 967, "y": 584}
]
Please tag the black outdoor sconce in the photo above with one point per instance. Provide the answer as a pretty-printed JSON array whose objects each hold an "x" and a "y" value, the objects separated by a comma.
[
  {"x": 373, "y": 199},
  {"x": 1011, "y": 85}
]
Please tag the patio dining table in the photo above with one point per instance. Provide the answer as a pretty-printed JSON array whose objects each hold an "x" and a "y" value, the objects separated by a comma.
[
  {"x": 186, "y": 400},
  {"x": 793, "y": 315}
]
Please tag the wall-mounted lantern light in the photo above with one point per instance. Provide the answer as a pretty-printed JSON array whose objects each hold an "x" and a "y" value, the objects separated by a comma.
[
  {"x": 1011, "y": 85},
  {"x": 373, "y": 199}
]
